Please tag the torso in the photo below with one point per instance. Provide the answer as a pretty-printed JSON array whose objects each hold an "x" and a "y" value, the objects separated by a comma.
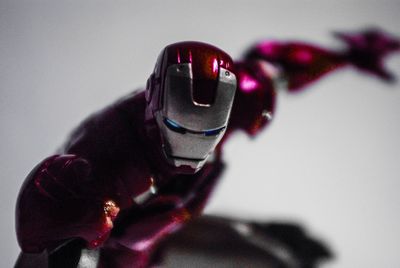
[{"x": 113, "y": 141}]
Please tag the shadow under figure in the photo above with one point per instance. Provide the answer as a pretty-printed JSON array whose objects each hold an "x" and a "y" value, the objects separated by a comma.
[
  {"x": 212, "y": 241},
  {"x": 140, "y": 169}
]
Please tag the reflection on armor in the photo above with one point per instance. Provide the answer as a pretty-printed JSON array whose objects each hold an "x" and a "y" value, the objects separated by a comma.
[{"x": 137, "y": 171}]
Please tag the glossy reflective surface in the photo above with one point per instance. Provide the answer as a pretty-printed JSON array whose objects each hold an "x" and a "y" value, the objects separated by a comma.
[
  {"x": 111, "y": 189},
  {"x": 304, "y": 63}
]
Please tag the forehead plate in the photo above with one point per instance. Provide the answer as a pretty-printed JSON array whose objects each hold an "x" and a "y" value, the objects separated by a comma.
[{"x": 180, "y": 105}]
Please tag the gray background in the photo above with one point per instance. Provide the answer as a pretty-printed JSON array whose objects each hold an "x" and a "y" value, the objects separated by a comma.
[{"x": 329, "y": 160}]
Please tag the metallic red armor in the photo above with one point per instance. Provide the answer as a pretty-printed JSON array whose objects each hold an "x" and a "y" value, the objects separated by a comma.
[{"x": 120, "y": 184}]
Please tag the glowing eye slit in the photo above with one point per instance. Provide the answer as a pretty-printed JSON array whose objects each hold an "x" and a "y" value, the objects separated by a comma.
[
  {"x": 213, "y": 132},
  {"x": 172, "y": 125}
]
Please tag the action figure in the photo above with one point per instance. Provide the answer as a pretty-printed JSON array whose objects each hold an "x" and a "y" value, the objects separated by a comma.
[{"x": 136, "y": 171}]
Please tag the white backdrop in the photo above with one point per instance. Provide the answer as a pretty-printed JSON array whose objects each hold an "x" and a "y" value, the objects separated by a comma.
[{"x": 330, "y": 160}]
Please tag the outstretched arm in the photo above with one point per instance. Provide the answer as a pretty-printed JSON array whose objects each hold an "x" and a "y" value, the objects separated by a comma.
[
  {"x": 298, "y": 64},
  {"x": 303, "y": 63}
]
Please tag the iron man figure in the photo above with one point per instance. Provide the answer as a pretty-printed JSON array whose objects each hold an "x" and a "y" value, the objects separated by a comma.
[{"x": 138, "y": 170}]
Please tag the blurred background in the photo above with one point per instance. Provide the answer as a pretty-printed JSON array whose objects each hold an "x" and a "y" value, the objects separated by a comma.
[{"x": 329, "y": 161}]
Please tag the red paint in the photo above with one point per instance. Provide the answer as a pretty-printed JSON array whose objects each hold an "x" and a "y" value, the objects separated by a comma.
[{"x": 110, "y": 158}]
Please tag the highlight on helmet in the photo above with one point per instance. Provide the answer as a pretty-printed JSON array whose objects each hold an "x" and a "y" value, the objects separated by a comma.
[{"x": 190, "y": 96}]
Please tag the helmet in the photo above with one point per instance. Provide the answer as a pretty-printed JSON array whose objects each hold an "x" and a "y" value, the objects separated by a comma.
[{"x": 190, "y": 96}]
